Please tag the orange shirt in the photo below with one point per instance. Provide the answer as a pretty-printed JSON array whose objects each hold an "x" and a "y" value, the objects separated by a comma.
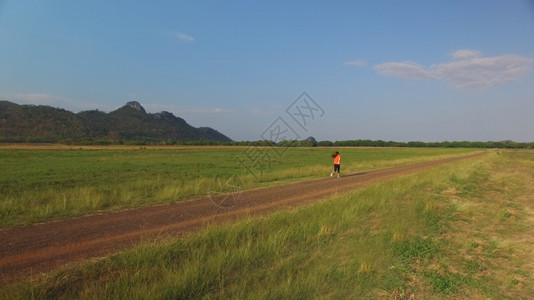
[{"x": 337, "y": 159}]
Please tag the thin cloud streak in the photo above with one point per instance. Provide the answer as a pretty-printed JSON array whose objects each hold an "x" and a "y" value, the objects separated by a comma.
[
  {"x": 356, "y": 63},
  {"x": 187, "y": 111},
  {"x": 469, "y": 70},
  {"x": 404, "y": 69},
  {"x": 183, "y": 37}
]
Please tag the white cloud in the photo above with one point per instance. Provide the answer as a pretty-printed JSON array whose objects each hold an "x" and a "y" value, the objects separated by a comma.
[
  {"x": 468, "y": 70},
  {"x": 184, "y": 37},
  {"x": 355, "y": 63},
  {"x": 472, "y": 71},
  {"x": 465, "y": 54}
]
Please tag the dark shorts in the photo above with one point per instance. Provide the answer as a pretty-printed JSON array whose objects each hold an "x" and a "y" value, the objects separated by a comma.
[{"x": 337, "y": 168}]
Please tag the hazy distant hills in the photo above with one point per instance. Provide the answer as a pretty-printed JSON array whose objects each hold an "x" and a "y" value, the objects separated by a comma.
[{"x": 30, "y": 123}]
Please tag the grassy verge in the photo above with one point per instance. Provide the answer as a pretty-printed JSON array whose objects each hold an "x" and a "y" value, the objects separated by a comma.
[
  {"x": 463, "y": 230},
  {"x": 43, "y": 184},
  {"x": 490, "y": 238}
]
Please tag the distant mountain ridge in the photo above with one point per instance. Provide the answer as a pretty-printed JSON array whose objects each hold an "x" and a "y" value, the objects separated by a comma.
[{"x": 31, "y": 123}]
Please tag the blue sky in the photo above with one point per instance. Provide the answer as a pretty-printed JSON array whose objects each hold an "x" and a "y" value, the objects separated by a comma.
[{"x": 389, "y": 70}]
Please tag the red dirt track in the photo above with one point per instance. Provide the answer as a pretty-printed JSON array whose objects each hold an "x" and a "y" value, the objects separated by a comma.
[{"x": 43, "y": 247}]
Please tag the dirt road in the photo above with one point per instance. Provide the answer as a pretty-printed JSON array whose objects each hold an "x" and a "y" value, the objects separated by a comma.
[{"x": 43, "y": 247}]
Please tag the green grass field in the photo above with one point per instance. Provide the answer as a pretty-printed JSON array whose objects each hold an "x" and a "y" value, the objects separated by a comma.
[
  {"x": 461, "y": 230},
  {"x": 44, "y": 184}
]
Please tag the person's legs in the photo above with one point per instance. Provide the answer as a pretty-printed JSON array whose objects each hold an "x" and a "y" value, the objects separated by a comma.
[{"x": 337, "y": 168}]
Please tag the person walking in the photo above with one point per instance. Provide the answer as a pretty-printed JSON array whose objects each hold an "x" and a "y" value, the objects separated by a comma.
[{"x": 337, "y": 164}]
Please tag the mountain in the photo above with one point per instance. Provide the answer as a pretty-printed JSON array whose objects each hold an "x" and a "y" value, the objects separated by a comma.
[
  {"x": 311, "y": 139},
  {"x": 30, "y": 123},
  {"x": 25, "y": 123}
]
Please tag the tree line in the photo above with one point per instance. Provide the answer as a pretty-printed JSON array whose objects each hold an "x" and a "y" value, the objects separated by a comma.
[
  {"x": 380, "y": 143},
  {"x": 283, "y": 143}
]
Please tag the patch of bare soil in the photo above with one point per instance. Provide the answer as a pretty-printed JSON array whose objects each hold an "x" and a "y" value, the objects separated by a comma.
[{"x": 43, "y": 247}]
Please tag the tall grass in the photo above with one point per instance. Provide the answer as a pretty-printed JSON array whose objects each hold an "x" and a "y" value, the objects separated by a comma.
[
  {"x": 403, "y": 237},
  {"x": 40, "y": 185}
]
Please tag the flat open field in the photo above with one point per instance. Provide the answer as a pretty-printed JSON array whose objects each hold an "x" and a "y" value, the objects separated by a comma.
[
  {"x": 57, "y": 182},
  {"x": 421, "y": 210}
]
